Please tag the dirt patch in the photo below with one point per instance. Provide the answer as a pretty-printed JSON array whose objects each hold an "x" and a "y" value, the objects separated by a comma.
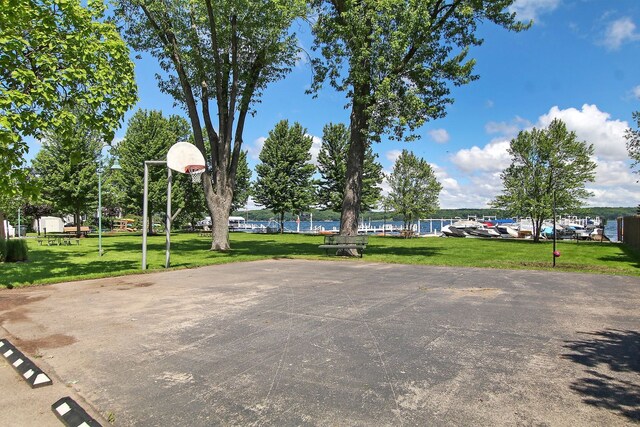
[
  {"x": 14, "y": 316},
  {"x": 9, "y": 302},
  {"x": 481, "y": 292},
  {"x": 125, "y": 286},
  {"x": 48, "y": 342},
  {"x": 463, "y": 292},
  {"x": 13, "y": 307}
]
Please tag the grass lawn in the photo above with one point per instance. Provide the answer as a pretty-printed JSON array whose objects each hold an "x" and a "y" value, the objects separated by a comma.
[{"x": 50, "y": 264}]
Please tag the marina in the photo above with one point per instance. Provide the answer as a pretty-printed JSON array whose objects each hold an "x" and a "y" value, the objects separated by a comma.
[{"x": 569, "y": 227}]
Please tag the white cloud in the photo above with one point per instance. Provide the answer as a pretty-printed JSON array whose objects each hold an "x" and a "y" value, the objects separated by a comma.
[
  {"x": 622, "y": 196},
  {"x": 118, "y": 139},
  {"x": 315, "y": 148},
  {"x": 595, "y": 127},
  {"x": 613, "y": 173},
  {"x": 615, "y": 184},
  {"x": 441, "y": 136},
  {"x": 492, "y": 157},
  {"x": 392, "y": 156},
  {"x": 619, "y": 32},
  {"x": 532, "y": 9},
  {"x": 448, "y": 183},
  {"x": 255, "y": 148},
  {"x": 636, "y": 92},
  {"x": 508, "y": 129}
]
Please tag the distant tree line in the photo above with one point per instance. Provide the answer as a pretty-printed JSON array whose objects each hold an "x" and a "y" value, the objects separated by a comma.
[{"x": 609, "y": 213}]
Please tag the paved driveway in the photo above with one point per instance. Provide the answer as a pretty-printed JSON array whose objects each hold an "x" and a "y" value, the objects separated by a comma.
[{"x": 288, "y": 342}]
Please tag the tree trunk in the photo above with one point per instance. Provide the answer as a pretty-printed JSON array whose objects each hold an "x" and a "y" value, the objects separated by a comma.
[
  {"x": 3, "y": 232},
  {"x": 218, "y": 202},
  {"x": 76, "y": 218},
  {"x": 537, "y": 225},
  {"x": 220, "y": 227},
  {"x": 355, "y": 163},
  {"x": 282, "y": 223}
]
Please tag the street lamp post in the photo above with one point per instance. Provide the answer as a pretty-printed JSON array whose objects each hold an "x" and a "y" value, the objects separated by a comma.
[{"x": 115, "y": 166}]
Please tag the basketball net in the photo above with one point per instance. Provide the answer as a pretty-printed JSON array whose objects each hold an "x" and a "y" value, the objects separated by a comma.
[{"x": 196, "y": 172}]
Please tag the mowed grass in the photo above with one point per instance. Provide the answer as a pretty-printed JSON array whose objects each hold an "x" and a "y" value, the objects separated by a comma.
[{"x": 122, "y": 255}]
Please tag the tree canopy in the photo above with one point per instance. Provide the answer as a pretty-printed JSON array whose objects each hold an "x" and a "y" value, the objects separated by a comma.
[
  {"x": 414, "y": 188},
  {"x": 332, "y": 165},
  {"x": 55, "y": 55},
  {"x": 396, "y": 60},
  {"x": 283, "y": 182},
  {"x": 149, "y": 136},
  {"x": 548, "y": 167},
  {"x": 220, "y": 53},
  {"x": 66, "y": 168},
  {"x": 633, "y": 141}
]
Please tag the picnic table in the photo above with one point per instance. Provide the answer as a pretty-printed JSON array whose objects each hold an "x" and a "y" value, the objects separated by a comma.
[{"x": 58, "y": 239}]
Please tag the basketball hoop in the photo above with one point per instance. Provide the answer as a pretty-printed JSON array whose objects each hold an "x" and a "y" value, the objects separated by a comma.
[{"x": 195, "y": 171}]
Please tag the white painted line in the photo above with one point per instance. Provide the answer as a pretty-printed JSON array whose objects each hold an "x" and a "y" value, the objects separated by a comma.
[
  {"x": 8, "y": 353},
  {"x": 18, "y": 363},
  {"x": 28, "y": 374},
  {"x": 84, "y": 424},
  {"x": 41, "y": 378},
  {"x": 1, "y": 343},
  {"x": 63, "y": 409}
]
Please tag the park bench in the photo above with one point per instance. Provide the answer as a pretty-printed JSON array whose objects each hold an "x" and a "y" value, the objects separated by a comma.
[{"x": 335, "y": 242}]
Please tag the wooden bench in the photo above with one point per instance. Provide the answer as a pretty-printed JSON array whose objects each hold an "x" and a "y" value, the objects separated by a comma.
[
  {"x": 359, "y": 243},
  {"x": 84, "y": 230}
]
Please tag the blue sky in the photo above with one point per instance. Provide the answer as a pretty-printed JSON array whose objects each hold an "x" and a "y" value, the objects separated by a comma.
[{"x": 579, "y": 62}]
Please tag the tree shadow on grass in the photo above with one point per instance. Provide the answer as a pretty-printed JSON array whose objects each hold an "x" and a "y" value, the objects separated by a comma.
[
  {"x": 628, "y": 255},
  {"x": 47, "y": 264},
  {"x": 617, "y": 352}
]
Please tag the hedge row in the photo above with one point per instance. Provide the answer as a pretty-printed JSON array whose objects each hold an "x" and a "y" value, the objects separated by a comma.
[{"x": 13, "y": 250}]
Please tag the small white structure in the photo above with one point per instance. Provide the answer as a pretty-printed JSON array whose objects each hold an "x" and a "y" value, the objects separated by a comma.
[
  {"x": 9, "y": 230},
  {"x": 52, "y": 224}
]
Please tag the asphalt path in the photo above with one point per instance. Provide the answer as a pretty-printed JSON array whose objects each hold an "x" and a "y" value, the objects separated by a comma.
[{"x": 291, "y": 342}]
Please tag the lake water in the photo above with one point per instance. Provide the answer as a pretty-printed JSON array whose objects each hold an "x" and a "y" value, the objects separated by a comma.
[{"x": 426, "y": 227}]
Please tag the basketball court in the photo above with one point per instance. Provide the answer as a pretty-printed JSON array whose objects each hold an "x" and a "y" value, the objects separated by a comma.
[{"x": 291, "y": 342}]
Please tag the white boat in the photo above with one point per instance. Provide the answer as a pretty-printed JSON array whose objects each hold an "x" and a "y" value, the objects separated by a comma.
[
  {"x": 451, "y": 231},
  {"x": 469, "y": 228},
  {"x": 238, "y": 223}
]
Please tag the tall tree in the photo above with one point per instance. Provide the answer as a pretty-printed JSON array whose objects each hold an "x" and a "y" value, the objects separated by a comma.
[
  {"x": 414, "y": 188},
  {"x": 549, "y": 167},
  {"x": 222, "y": 53},
  {"x": 284, "y": 173},
  {"x": 149, "y": 136},
  {"x": 633, "y": 141},
  {"x": 67, "y": 168},
  {"x": 400, "y": 57},
  {"x": 243, "y": 183},
  {"x": 332, "y": 165},
  {"x": 633, "y": 145},
  {"x": 53, "y": 56}
]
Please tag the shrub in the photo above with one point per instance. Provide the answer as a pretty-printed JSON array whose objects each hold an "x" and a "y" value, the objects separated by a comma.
[
  {"x": 3, "y": 249},
  {"x": 15, "y": 250}
]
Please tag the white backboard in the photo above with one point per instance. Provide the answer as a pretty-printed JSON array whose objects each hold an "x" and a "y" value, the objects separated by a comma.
[{"x": 183, "y": 154}]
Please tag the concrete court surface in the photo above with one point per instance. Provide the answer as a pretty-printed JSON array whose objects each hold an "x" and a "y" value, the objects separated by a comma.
[{"x": 292, "y": 342}]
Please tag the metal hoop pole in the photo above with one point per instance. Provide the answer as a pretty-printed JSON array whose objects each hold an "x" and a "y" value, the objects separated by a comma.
[
  {"x": 167, "y": 261},
  {"x": 145, "y": 205},
  {"x": 145, "y": 208}
]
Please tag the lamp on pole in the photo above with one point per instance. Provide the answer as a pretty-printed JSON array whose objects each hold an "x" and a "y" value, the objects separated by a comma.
[{"x": 115, "y": 166}]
